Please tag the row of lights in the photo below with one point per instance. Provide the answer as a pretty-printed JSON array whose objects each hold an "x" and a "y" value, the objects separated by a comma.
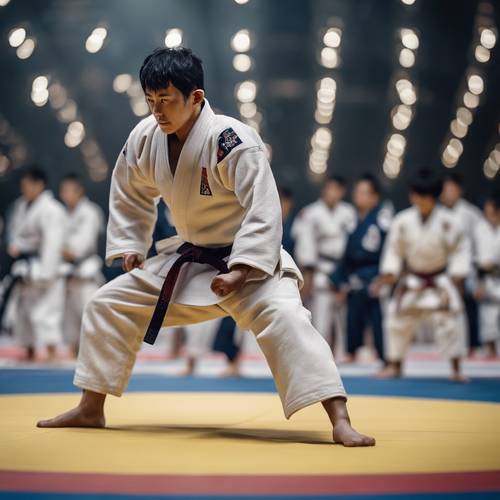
[
  {"x": 402, "y": 113},
  {"x": 326, "y": 96},
  {"x": 246, "y": 91},
  {"x": 485, "y": 40},
  {"x": 67, "y": 112},
  {"x": 24, "y": 44}
]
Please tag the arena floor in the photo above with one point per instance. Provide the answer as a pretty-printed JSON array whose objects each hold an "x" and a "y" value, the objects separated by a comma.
[{"x": 206, "y": 437}]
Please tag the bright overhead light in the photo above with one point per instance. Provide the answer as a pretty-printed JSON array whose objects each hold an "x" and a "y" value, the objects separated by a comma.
[
  {"x": 488, "y": 38},
  {"x": 471, "y": 100},
  {"x": 333, "y": 37},
  {"x": 406, "y": 58},
  {"x": 3, "y": 3},
  {"x": 329, "y": 57},
  {"x": 40, "y": 83},
  {"x": 241, "y": 2},
  {"x": 173, "y": 38},
  {"x": 17, "y": 37},
  {"x": 122, "y": 82},
  {"x": 246, "y": 91},
  {"x": 242, "y": 62},
  {"x": 408, "y": 2},
  {"x": 248, "y": 109},
  {"x": 476, "y": 84},
  {"x": 409, "y": 39},
  {"x": 241, "y": 41},
  {"x": 26, "y": 48},
  {"x": 482, "y": 54},
  {"x": 391, "y": 166}
]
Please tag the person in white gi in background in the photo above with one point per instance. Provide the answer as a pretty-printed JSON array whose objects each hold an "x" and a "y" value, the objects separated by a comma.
[
  {"x": 321, "y": 236},
  {"x": 487, "y": 293},
  {"x": 36, "y": 230},
  {"x": 468, "y": 216},
  {"x": 82, "y": 265},
  {"x": 212, "y": 172},
  {"x": 428, "y": 256}
]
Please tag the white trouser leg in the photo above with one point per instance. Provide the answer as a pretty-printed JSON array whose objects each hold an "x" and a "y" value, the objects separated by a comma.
[
  {"x": 489, "y": 322},
  {"x": 299, "y": 357},
  {"x": 113, "y": 327},
  {"x": 400, "y": 329},
  {"x": 451, "y": 335}
]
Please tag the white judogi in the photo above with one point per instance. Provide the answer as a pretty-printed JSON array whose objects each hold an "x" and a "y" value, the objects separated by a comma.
[
  {"x": 83, "y": 277},
  {"x": 487, "y": 242},
  {"x": 321, "y": 236},
  {"x": 223, "y": 192},
  {"x": 39, "y": 229},
  {"x": 414, "y": 248}
]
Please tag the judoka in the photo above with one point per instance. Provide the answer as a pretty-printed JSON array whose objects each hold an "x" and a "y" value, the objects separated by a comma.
[
  {"x": 213, "y": 174},
  {"x": 37, "y": 229},
  {"x": 428, "y": 256}
]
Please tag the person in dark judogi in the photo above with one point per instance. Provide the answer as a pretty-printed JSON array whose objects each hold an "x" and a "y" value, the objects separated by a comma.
[{"x": 360, "y": 265}]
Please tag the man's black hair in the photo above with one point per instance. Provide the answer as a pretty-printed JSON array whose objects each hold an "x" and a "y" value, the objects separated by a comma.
[
  {"x": 35, "y": 173},
  {"x": 336, "y": 178},
  {"x": 426, "y": 182},
  {"x": 372, "y": 180},
  {"x": 73, "y": 177},
  {"x": 455, "y": 178},
  {"x": 178, "y": 67}
]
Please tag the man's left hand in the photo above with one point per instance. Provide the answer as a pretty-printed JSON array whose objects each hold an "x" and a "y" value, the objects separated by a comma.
[{"x": 224, "y": 284}]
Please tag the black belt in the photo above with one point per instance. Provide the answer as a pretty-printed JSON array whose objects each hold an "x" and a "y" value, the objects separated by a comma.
[{"x": 188, "y": 253}]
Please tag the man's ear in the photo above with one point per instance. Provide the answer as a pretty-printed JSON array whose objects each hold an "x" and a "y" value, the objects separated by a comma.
[{"x": 198, "y": 96}]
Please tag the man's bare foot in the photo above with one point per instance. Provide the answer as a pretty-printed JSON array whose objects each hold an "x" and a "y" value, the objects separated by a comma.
[
  {"x": 344, "y": 434},
  {"x": 459, "y": 377},
  {"x": 76, "y": 417},
  {"x": 231, "y": 371},
  {"x": 88, "y": 413},
  {"x": 388, "y": 372}
]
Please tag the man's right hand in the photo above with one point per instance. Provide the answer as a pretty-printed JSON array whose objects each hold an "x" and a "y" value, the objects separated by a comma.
[{"x": 131, "y": 261}]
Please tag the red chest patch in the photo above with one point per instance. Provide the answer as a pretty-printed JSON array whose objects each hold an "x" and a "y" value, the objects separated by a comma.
[{"x": 204, "y": 185}]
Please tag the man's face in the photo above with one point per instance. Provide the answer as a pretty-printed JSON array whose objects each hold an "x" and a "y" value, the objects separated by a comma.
[
  {"x": 170, "y": 108},
  {"x": 423, "y": 202},
  {"x": 364, "y": 197},
  {"x": 451, "y": 193},
  {"x": 70, "y": 192},
  {"x": 31, "y": 188},
  {"x": 332, "y": 193},
  {"x": 491, "y": 213}
]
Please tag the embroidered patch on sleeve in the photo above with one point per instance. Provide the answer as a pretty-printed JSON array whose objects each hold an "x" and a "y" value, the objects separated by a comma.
[
  {"x": 228, "y": 140},
  {"x": 204, "y": 185}
]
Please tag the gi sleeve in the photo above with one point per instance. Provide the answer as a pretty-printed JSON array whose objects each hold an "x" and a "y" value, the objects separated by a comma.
[
  {"x": 460, "y": 259},
  {"x": 257, "y": 243},
  {"x": 132, "y": 211},
  {"x": 393, "y": 251},
  {"x": 83, "y": 243},
  {"x": 306, "y": 245},
  {"x": 53, "y": 229}
]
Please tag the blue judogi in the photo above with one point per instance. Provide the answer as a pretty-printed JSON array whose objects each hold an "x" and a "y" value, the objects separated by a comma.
[{"x": 358, "y": 267}]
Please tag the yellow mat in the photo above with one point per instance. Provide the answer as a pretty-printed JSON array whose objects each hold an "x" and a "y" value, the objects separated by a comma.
[{"x": 233, "y": 433}]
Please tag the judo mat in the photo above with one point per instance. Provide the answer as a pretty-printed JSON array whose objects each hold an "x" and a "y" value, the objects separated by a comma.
[{"x": 214, "y": 438}]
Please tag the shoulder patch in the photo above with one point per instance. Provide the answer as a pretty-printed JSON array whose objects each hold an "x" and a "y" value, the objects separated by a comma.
[{"x": 228, "y": 140}]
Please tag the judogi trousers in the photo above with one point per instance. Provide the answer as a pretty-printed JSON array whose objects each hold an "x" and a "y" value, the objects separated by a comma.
[
  {"x": 489, "y": 320},
  {"x": 300, "y": 360},
  {"x": 39, "y": 313},
  {"x": 446, "y": 325}
]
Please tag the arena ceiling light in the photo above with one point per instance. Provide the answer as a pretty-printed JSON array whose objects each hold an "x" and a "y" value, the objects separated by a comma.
[
  {"x": 95, "y": 41},
  {"x": 173, "y": 38}
]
